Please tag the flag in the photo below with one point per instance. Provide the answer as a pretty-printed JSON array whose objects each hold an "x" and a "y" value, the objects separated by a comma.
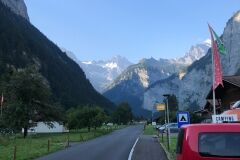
[
  {"x": 220, "y": 45},
  {"x": 216, "y": 60}
]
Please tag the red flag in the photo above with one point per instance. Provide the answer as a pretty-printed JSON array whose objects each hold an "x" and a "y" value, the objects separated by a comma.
[{"x": 217, "y": 63}]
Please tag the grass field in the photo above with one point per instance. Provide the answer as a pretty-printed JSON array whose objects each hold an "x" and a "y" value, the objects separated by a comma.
[{"x": 37, "y": 145}]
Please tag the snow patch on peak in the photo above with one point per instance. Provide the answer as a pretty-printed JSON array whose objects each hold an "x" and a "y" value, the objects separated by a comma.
[
  {"x": 111, "y": 65},
  {"x": 208, "y": 42},
  {"x": 87, "y": 62},
  {"x": 236, "y": 17}
]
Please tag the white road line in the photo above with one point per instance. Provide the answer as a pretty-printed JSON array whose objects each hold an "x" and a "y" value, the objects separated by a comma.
[{"x": 131, "y": 153}]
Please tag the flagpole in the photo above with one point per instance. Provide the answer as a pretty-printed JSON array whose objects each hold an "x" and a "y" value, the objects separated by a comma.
[
  {"x": 213, "y": 71},
  {"x": 213, "y": 78},
  {"x": 1, "y": 106},
  {"x": 214, "y": 105},
  {"x": 1, "y": 109}
]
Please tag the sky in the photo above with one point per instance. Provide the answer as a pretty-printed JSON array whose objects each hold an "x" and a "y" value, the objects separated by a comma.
[{"x": 135, "y": 29}]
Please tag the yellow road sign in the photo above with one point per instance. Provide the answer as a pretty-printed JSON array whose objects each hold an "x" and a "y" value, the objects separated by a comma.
[{"x": 160, "y": 106}]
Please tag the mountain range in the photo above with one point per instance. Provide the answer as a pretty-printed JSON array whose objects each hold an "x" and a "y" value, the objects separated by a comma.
[
  {"x": 131, "y": 85},
  {"x": 101, "y": 73}
]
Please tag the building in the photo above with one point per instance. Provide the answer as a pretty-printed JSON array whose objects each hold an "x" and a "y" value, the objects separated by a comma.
[
  {"x": 225, "y": 96},
  {"x": 42, "y": 127}
]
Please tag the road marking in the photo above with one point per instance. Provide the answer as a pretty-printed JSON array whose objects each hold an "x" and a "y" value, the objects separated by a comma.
[{"x": 131, "y": 153}]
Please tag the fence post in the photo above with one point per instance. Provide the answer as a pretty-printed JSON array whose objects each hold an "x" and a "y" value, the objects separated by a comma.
[
  {"x": 48, "y": 145},
  {"x": 15, "y": 153},
  {"x": 81, "y": 137},
  {"x": 68, "y": 140},
  {"x": 162, "y": 137}
]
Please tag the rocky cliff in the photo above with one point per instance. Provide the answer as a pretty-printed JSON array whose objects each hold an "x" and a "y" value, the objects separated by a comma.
[{"x": 17, "y": 6}]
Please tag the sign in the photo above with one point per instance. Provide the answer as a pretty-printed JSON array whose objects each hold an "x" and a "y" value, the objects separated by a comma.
[
  {"x": 224, "y": 118},
  {"x": 160, "y": 106},
  {"x": 183, "y": 118},
  {"x": 154, "y": 123}
]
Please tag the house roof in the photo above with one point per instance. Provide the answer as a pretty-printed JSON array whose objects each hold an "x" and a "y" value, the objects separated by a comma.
[
  {"x": 232, "y": 80},
  {"x": 235, "y": 80}
]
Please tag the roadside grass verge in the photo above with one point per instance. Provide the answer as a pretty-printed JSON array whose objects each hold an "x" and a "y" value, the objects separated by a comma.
[
  {"x": 37, "y": 145},
  {"x": 149, "y": 130},
  {"x": 172, "y": 147}
]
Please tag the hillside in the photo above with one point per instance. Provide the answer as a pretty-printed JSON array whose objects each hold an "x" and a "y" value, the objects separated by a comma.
[{"x": 21, "y": 45}]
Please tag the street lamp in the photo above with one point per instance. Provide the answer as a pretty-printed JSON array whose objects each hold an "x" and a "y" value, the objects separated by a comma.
[{"x": 168, "y": 129}]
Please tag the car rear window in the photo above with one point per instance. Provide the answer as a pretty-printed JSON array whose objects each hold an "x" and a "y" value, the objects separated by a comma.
[
  {"x": 180, "y": 141},
  {"x": 219, "y": 145}
]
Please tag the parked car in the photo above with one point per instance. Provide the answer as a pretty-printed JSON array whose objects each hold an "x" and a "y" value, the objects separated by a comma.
[
  {"x": 234, "y": 110},
  {"x": 157, "y": 126},
  {"x": 209, "y": 142},
  {"x": 172, "y": 126},
  {"x": 236, "y": 105},
  {"x": 162, "y": 128}
]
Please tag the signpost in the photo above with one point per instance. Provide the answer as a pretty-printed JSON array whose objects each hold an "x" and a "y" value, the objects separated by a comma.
[
  {"x": 224, "y": 118},
  {"x": 154, "y": 123},
  {"x": 183, "y": 118},
  {"x": 160, "y": 106}
]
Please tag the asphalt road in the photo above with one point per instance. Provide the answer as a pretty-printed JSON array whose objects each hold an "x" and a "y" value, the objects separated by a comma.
[
  {"x": 115, "y": 146},
  {"x": 148, "y": 148}
]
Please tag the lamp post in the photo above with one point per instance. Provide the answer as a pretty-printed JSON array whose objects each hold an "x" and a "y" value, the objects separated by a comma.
[{"x": 168, "y": 129}]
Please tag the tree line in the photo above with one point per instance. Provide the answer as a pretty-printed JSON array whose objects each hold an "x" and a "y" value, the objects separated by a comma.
[
  {"x": 94, "y": 116},
  {"x": 28, "y": 99}
]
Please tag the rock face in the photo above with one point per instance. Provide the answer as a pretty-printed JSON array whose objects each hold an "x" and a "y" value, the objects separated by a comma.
[
  {"x": 191, "y": 89},
  {"x": 17, "y": 6},
  {"x": 132, "y": 83},
  {"x": 195, "y": 53}
]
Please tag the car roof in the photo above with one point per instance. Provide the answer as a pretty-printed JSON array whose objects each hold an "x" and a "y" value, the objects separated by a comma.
[{"x": 214, "y": 126}]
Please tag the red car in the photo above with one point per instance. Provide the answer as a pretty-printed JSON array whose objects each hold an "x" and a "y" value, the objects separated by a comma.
[{"x": 209, "y": 142}]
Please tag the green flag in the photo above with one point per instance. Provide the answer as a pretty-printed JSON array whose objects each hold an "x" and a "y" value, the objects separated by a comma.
[{"x": 220, "y": 45}]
